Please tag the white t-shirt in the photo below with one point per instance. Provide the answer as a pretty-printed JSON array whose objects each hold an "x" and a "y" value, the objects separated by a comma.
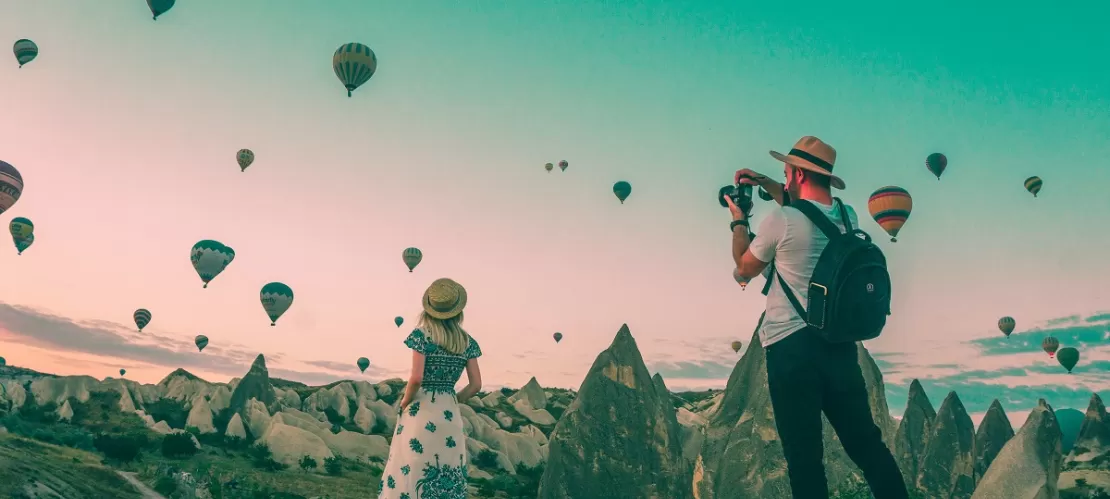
[{"x": 791, "y": 240}]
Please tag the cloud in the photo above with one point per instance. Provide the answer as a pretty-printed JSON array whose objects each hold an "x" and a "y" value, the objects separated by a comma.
[
  {"x": 692, "y": 369},
  {"x": 40, "y": 329},
  {"x": 373, "y": 371}
]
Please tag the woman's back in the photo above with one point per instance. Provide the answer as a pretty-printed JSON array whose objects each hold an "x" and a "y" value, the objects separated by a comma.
[{"x": 442, "y": 369}]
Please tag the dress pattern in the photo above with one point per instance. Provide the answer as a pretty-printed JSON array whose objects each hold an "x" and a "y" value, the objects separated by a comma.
[{"x": 427, "y": 458}]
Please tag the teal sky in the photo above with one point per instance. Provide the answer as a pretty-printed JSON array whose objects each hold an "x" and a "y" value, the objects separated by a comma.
[{"x": 125, "y": 131}]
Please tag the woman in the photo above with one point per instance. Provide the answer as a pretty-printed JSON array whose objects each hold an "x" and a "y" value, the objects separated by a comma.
[{"x": 427, "y": 458}]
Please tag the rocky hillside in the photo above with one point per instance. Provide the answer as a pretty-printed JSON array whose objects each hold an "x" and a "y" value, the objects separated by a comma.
[{"x": 622, "y": 435}]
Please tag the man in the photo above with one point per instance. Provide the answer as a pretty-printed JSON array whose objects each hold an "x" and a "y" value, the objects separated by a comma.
[{"x": 807, "y": 375}]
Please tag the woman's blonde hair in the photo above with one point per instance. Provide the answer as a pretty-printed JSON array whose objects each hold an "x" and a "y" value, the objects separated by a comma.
[{"x": 447, "y": 333}]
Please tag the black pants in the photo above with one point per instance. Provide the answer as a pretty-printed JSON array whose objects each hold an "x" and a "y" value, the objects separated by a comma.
[{"x": 807, "y": 376}]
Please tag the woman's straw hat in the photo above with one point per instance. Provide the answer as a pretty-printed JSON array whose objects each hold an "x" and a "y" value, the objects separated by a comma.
[
  {"x": 812, "y": 154},
  {"x": 444, "y": 299}
]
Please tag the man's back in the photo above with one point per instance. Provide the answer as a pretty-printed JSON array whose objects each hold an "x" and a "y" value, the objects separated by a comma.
[{"x": 791, "y": 240}]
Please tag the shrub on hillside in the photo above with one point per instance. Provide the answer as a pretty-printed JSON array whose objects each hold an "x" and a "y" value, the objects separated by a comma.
[
  {"x": 487, "y": 459},
  {"x": 178, "y": 445},
  {"x": 34, "y": 412},
  {"x": 54, "y": 433},
  {"x": 308, "y": 463},
  {"x": 380, "y": 427},
  {"x": 165, "y": 485},
  {"x": 123, "y": 448},
  {"x": 333, "y": 466},
  {"x": 263, "y": 458},
  {"x": 169, "y": 410}
]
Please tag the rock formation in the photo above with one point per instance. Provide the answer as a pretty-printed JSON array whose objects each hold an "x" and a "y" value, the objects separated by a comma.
[
  {"x": 1087, "y": 466},
  {"x": 741, "y": 457},
  {"x": 618, "y": 436},
  {"x": 200, "y": 416},
  {"x": 255, "y": 385},
  {"x": 1029, "y": 465},
  {"x": 913, "y": 430},
  {"x": 993, "y": 433},
  {"x": 947, "y": 467}
]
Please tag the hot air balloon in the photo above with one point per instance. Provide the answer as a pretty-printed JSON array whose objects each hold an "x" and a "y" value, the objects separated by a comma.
[
  {"x": 210, "y": 258},
  {"x": 549, "y": 167},
  {"x": 398, "y": 320},
  {"x": 21, "y": 245},
  {"x": 11, "y": 186},
  {"x": 1049, "y": 345},
  {"x": 20, "y": 228},
  {"x": 159, "y": 7},
  {"x": 412, "y": 257},
  {"x": 363, "y": 363},
  {"x": 122, "y": 372},
  {"x": 563, "y": 165},
  {"x": 142, "y": 318},
  {"x": 1033, "y": 185},
  {"x": 25, "y": 51},
  {"x": 1068, "y": 357},
  {"x": 890, "y": 206},
  {"x": 736, "y": 346},
  {"x": 936, "y": 163},
  {"x": 622, "y": 189},
  {"x": 276, "y": 299},
  {"x": 1006, "y": 325},
  {"x": 558, "y": 337},
  {"x": 245, "y": 157},
  {"x": 201, "y": 342},
  {"x": 354, "y": 64},
  {"x": 740, "y": 279}
]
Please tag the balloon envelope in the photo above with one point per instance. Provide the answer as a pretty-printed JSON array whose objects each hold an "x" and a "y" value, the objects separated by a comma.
[
  {"x": 159, "y": 7},
  {"x": 21, "y": 245},
  {"x": 11, "y": 186},
  {"x": 3, "y": 362},
  {"x": 398, "y": 320},
  {"x": 276, "y": 298},
  {"x": 736, "y": 345},
  {"x": 122, "y": 372},
  {"x": 558, "y": 337},
  {"x": 210, "y": 258},
  {"x": 549, "y": 167},
  {"x": 622, "y": 189},
  {"x": 142, "y": 318},
  {"x": 201, "y": 341},
  {"x": 354, "y": 64},
  {"x": 1006, "y": 325},
  {"x": 21, "y": 228},
  {"x": 363, "y": 363},
  {"x": 563, "y": 165},
  {"x": 1068, "y": 357},
  {"x": 1033, "y": 185},
  {"x": 244, "y": 157},
  {"x": 1049, "y": 345},
  {"x": 412, "y": 257},
  {"x": 25, "y": 51},
  {"x": 890, "y": 206},
  {"x": 936, "y": 163}
]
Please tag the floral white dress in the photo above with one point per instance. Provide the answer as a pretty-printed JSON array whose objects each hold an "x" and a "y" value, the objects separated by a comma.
[{"x": 427, "y": 458}]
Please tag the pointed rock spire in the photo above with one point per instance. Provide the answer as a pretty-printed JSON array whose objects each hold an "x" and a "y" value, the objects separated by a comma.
[
  {"x": 1029, "y": 464},
  {"x": 255, "y": 384},
  {"x": 913, "y": 430},
  {"x": 992, "y": 435},
  {"x": 618, "y": 431},
  {"x": 946, "y": 469}
]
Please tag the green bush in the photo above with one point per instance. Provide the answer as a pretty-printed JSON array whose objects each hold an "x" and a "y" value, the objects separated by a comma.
[
  {"x": 178, "y": 445},
  {"x": 263, "y": 458},
  {"x": 123, "y": 448},
  {"x": 165, "y": 485},
  {"x": 333, "y": 465},
  {"x": 169, "y": 410},
  {"x": 308, "y": 463},
  {"x": 380, "y": 427},
  {"x": 486, "y": 459}
]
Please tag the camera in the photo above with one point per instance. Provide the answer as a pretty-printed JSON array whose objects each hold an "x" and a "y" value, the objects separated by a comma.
[{"x": 741, "y": 195}]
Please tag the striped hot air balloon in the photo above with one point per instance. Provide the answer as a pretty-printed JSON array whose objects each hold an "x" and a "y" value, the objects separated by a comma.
[
  {"x": 936, "y": 163},
  {"x": 622, "y": 189},
  {"x": 25, "y": 51},
  {"x": 244, "y": 157},
  {"x": 1049, "y": 345},
  {"x": 276, "y": 298},
  {"x": 1006, "y": 325},
  {"x": 159, "y": 7},
  {"x": 201, "y": 341},
  {"x": 1033, "y": 185},
  {"x": 142, "y": 318},
  {"x": 21, "y": 228},
  {"x": 412, "y": 257},
  {"x": 890, "y": 206},
  {"x": 354, "y": 64},
  {"x": 11, "y": 186},
  {"x": 548, "y": 167}
]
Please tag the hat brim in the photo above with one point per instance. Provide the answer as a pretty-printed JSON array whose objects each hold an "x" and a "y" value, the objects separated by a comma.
[
  {"x": 834, "y": 181},
  {"x": 443, "y": 315}
]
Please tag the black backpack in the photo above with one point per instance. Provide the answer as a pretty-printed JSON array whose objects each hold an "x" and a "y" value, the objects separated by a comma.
[{"x": 849, "y": 292}]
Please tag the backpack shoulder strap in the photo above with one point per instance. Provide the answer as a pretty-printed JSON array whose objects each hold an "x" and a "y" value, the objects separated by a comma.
[
  {"x": 819, "y": 219},
  {"x": 843, "y": 215},
  {"x": 793, "y": 299}
]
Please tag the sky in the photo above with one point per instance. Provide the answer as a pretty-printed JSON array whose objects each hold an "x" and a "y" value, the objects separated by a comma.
[{"x": 125, "y": 131}]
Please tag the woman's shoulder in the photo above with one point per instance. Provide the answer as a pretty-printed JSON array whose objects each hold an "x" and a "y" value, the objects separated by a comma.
[
  {"x": 473, "y": 350},
  {"x": 417, "y": 341}
]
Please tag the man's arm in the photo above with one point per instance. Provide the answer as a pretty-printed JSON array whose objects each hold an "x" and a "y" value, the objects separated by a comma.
[{"x": 756, "y": 255}]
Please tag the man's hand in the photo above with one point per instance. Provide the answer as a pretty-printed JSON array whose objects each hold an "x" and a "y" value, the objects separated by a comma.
[
  {"x": 737, "y": 214},
  {"x": 750, "y": 177}
]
